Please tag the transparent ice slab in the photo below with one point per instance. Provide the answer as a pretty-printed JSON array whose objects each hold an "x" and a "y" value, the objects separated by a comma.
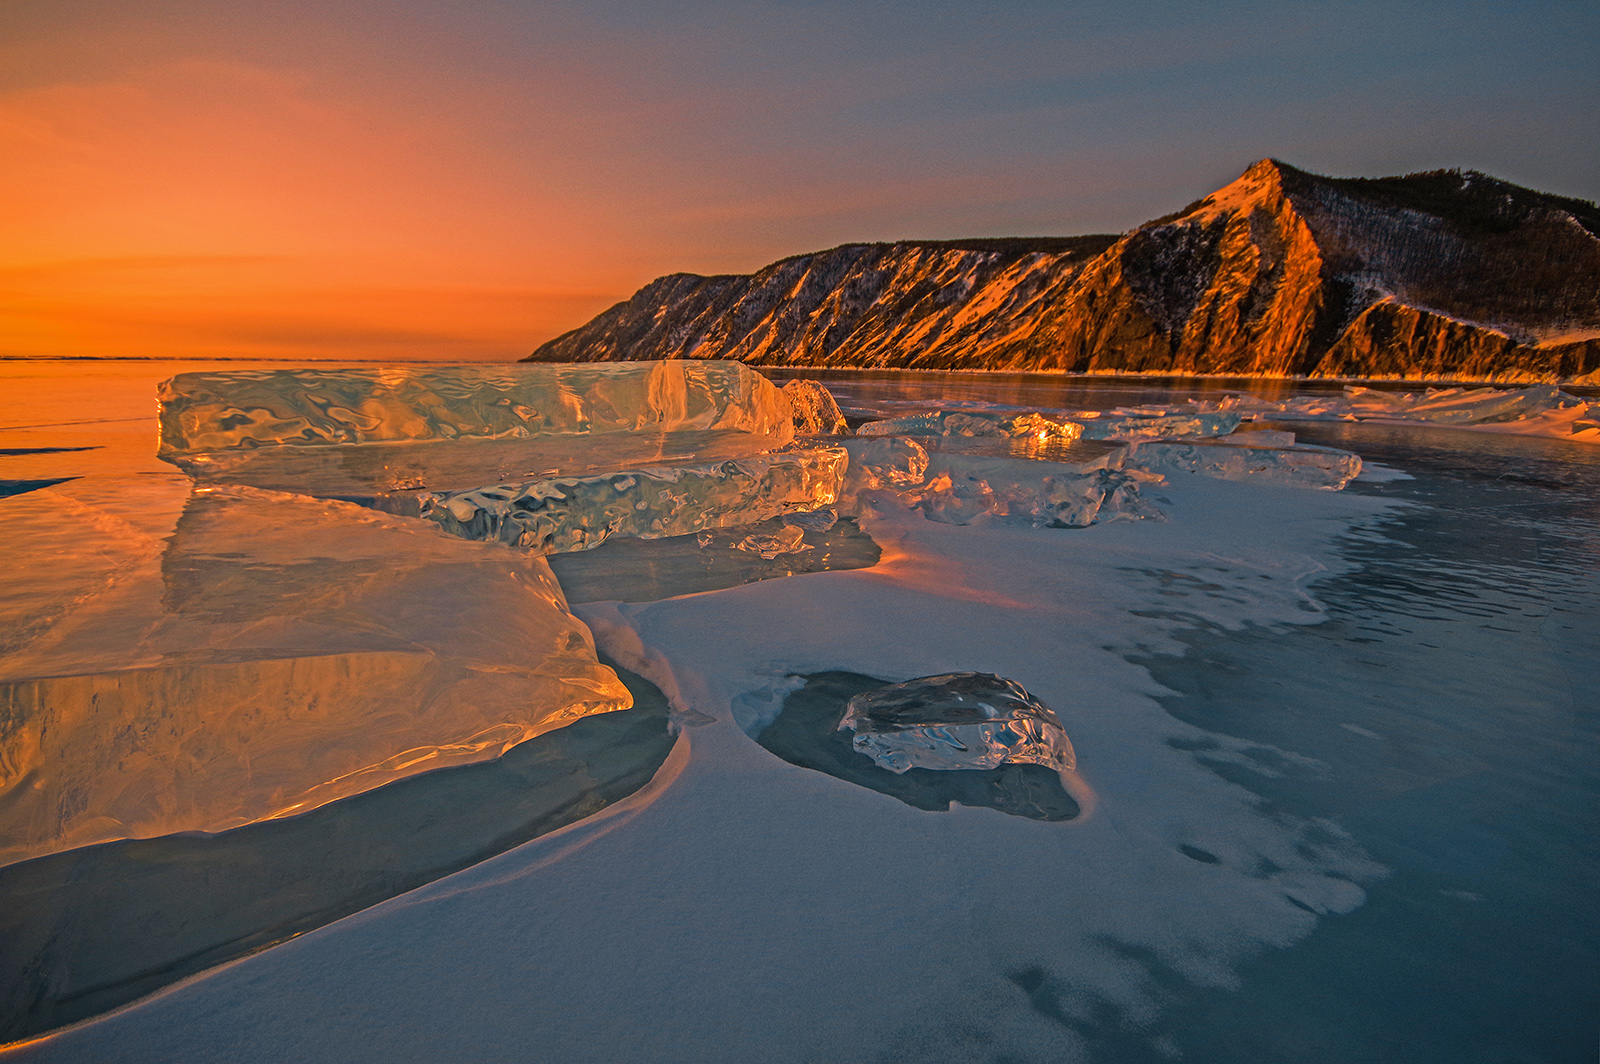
[
  {"x": 86, "y": 931},
  {"x": 394, "y": 476},
  {"x": 958, "y": 720},
  {"x": 806, "y": 733},
  {"x": 389, "y": 432},
  {"x": 206, "y": 412},
  {"x": 562, "y": 514},
  {"x": 1240, "y": 458},
  {"x": 193, "y": 662}
]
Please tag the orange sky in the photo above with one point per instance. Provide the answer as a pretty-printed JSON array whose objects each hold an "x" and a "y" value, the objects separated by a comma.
[{"x": 402, "y": 179}]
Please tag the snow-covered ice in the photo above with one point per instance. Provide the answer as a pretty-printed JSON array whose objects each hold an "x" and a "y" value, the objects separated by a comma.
[{"x": 962, "y": 720}]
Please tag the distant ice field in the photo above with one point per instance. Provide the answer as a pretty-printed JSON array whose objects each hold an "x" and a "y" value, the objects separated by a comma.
[{"x": 1335, "y": 769}]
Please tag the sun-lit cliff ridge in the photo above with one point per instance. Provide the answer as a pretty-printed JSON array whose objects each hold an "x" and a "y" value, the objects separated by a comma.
[{"x": 1446, "y": 274}]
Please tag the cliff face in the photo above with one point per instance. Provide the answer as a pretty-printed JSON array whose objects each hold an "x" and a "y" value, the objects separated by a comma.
[{"x": 1279, "y": 273}]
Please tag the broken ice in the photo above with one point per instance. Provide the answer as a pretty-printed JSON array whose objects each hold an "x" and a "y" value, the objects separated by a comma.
[
  {"x": 376, "y": 431},
  {"x": 959, "y": 720},
  {"x": 1243, "y": 458},
  {"x": 551, "y": 516},
  {"x": 961, "y": 423}
]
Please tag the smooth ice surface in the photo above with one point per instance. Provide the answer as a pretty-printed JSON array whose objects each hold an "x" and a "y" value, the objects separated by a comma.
[
  {"x": 960, "y": 720},
  {"x": 562, "y": 514},
  {"x": 1542, "y": 410},
  {"x": 182, "y": 662},
  {"x": 1244, "y": 458},
  {"x": 204, "y": 412}
]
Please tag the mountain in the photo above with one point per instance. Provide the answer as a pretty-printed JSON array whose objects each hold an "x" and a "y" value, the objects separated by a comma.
[{"x": 1446, "y": 274}]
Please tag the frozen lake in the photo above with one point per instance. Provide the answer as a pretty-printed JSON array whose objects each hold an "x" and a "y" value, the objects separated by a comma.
[{"x": 1342, "y": 745}]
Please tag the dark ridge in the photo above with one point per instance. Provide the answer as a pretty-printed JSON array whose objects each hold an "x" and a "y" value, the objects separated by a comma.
[
  {"x": 1473, "y": 202},
  {"x": 1088, "y": 244}
]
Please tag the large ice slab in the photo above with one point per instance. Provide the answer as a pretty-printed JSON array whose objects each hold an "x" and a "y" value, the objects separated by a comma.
[
  {"x": 960, "y": 720},
  {"x": 203, "y": 412},
  {"x": 1259, "y": 457},
  {"x": 197, "y": 662},
  {"x": 442, "y": 428},
  {"x": 554, "y": 515}
]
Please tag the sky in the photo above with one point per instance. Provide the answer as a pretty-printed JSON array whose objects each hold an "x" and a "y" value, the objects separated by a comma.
[{"x": 398, "y": 179}]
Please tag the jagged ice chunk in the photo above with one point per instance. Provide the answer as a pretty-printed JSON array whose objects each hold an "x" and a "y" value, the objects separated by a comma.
[{"x": 959, "y": 720}]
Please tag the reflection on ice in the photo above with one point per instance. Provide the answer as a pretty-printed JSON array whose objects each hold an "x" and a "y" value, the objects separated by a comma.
[{"x": 960, "y": 720}]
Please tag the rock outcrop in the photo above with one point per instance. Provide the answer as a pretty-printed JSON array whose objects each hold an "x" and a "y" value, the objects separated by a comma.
[{"x": 1439, "y": 275}]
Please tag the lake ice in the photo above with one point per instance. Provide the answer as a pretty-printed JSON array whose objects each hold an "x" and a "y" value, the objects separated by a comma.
[{"x": 1309, "y": 725}]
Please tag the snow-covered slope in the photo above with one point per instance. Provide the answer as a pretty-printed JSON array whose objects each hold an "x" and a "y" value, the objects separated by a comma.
[{"x": 1438, "y": 275}]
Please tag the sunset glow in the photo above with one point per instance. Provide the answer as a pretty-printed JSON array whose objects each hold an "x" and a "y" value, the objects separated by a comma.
[{"x": 403, "y": 181}]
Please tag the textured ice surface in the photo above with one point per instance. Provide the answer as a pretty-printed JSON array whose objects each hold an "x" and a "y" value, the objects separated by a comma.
[
  {"x": 1542, "y": 410},
  {"x": 955, "y": 486},
  {"x": 576, "y": 513},
  {"x": 960, "y": 720},
  {"x": 963, "y": 488},
  {"x": 203, "y": 412},
  {"x": 1156, "y": 424},
  {"x": 1242, "y": 458},
  {"x": 398, "y": 430},
  {"x": 814, "y": 410},
  {"x": 199, "y": 662},
  {"x": 962, "y": 423}
]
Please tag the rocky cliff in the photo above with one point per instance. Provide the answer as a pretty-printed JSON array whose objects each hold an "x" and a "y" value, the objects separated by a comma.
[{"x": 1445, "y": 274}]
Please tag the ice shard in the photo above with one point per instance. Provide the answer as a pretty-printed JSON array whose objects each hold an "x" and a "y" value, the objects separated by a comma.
[
  {"x": 1241, "y": 458},
  {"x": 960, "y": 720},
  {"x": 236, "y": 655},
  {"x": 814, "y": 410},
  {"x": 554, "y": 515},
  {"x": 356, "y": 432}
]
